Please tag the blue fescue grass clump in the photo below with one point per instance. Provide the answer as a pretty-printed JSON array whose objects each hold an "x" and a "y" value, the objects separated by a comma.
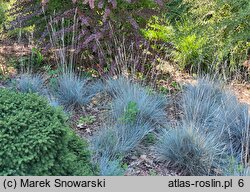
[
  {"x": 109, "y": 167},
  {"x": 113, "y": 143},
  {"x": 120, "y": 138},
  {"x": 96, "y": 87},
  {"x": 53, "y": 102},
  {"x": 106, "y": 153},
  {"x": 212, "y": 109},
  {"x": 235, "y": 126},
  {"x": 190, "y": 152},
  {"x": 30, "y": 83},
  {"x": 201, "y": 102},
  {"x": 105, "y": 141},
  {"x": 132, "y": 98},
  {"x": 134, "y": 113},
  {"x": 73, "y": 91},
  {"x": 130, "y": 135},
  {"x": 120, "y": 86}
]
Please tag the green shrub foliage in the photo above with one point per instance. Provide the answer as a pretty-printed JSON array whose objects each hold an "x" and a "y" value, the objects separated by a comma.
[
  {"x": 35, "y": 139},
  {"x": 206, "y": 35},
  {"x": 3, "y": 8}
]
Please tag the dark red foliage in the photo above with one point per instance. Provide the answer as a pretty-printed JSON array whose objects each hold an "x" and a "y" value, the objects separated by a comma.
[{"x": 94, "y": 18}]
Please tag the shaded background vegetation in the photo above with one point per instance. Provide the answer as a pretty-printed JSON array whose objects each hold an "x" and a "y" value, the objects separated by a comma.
[{"x": 199, "y": 36}]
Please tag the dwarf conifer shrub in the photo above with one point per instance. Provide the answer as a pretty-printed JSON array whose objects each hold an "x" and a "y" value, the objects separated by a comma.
[{"x": 35, "y": 140}]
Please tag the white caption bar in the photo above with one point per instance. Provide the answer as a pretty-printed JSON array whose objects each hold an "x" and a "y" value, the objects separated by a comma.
[{"x": 126, "y": 184}]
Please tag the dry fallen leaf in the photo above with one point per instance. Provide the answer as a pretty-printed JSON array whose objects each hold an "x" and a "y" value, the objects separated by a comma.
[
  {"x": 81, "y": 126},
  {"x": 88, "y": 131}
]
